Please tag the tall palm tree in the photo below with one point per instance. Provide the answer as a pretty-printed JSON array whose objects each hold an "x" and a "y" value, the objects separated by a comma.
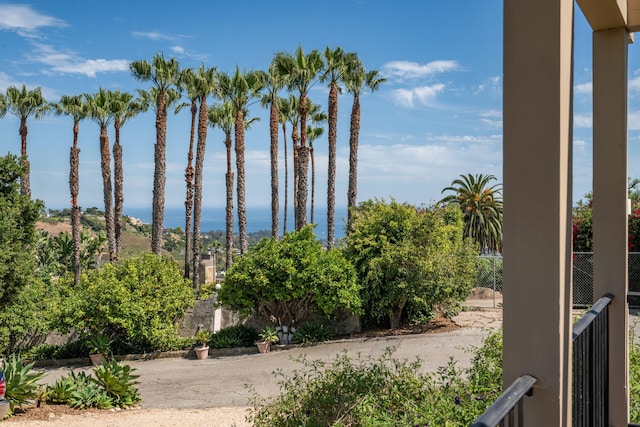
[
  {"x": 314, "y": 131},
  {"x": 187, "y": 82},
  {"x": 74, "y": 107},
  {"x": 241, "y": 90},
  {"x": 301, "y": 72},
  {"x": 99, "y": 109},
  {"x": 274, "y": 83},
  {"x": 224, "y": 116},
  {"x": 123, "y": 107},
  {"x": 481, "y": 205},
  {"x": 337, "y": 64},
  {"x": 164, "y": 75},
  {"x": 356, "y": 80},
  {"x": 204, "y": 83},
  {"x": 23, "y": 104},
  {"x": 285, "y": 110}
]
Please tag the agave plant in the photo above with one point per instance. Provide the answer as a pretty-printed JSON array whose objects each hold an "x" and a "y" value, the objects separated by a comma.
[
  {"x": 22, "y": 382},
  {"x": 118, "y": 382}
]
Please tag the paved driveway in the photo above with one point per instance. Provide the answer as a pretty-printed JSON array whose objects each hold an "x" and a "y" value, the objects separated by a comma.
[{"x": 222, "y": 381}]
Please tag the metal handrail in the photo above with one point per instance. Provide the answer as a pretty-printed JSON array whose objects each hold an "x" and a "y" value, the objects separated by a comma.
[
  {"x": 588, "y": 318},
  {"x": 506, "y": 403}
]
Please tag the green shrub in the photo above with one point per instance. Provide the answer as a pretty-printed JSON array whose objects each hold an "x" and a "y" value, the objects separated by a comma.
[
  {"x": 22, "y": 382},
  {"x": 138, "y": 301},
  {"x": 40, "y": 352},
  {"x": 72, "y": 349},
  {"x": 634, "y": 379},
  {"x": 309, "y": 333},
  {"x": 382, "y": 392},
  {"x": 234, "y": 336}
]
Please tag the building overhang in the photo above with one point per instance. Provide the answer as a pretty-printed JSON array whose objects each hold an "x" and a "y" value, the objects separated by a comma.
[{"x": 608, "y": 14}]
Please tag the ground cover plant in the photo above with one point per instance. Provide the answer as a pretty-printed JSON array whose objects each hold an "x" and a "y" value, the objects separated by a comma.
[{"x": 383, "y": 391}]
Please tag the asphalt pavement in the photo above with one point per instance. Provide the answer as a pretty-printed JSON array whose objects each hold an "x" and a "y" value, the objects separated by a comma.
[{"x": 224, "y": 380}]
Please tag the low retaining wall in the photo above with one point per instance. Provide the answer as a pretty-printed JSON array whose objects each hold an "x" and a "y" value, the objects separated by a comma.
[{"x": 208, "y": 315}]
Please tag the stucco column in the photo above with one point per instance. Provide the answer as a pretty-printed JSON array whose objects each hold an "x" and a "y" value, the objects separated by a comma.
[
  {"x": 610, "y": 195},
  {"x": 537, "y": 203}
]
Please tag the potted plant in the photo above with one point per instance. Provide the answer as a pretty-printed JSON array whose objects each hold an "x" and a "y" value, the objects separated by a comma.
[
  {"x": 202, "y": 338},
  {"x": 99, "y": 347},
  {"x": 268, "y": 336}
]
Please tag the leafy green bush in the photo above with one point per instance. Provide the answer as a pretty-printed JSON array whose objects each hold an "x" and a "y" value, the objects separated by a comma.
[
  {"x": 22, "y": 382},
  {"x": 382, "y": 392},
  {"x": 284, "y": 279},
  {"x": 309, "y": 333},
  {"x": 634, "y": 379},
  {"x": 233, "y": 336},
  {"x": 407, "y": 256},
  {"x": 40, "y": 352},
  {"x": 138, "y": 300}
]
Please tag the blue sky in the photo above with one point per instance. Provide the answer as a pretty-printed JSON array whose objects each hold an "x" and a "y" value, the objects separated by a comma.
[{"x": 438, "y": 115}]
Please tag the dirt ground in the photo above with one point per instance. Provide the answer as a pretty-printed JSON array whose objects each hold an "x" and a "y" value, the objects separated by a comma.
[{"x": 60, "y": 415}]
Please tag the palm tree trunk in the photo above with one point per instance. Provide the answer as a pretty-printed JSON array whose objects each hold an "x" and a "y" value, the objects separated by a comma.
[
  {"x": 118, "y": 192},
  {"x": 303, "y": 186},
  {"x": 286, "y": 179},
  {"x": 188, "y": 203},
  {"x": 229, "y": 212},
  {"x": 105, "y": 163},
  {"x": 25, "y": 186},
  {"x": 159, "y": 175},
  {"x": 331, "y": 175},
  {"x": 74, "y": 187},
  {"x": 197, "y": 196},
  {"x": 313, "y": 180},
  {"x": 242, "y": 208},
  {"x": 275, "y": 204},
  {"x": 303, "y": 166},
  {"x": 295, "y": 143},
  {"x": 354, "y": 133}
]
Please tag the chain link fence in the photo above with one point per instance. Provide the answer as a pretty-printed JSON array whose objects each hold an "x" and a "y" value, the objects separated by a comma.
[{"x": 490, "y": 276}]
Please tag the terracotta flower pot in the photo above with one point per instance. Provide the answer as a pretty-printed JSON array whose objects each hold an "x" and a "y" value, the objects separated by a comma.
[
  {"x": 202, "y": 352},
  {"x": 264, "y": 346},
  {"x": 96, "y": 359}
]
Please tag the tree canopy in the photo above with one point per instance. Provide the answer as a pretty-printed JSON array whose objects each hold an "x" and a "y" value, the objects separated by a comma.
[
  {"x": 404, "y": 255},
  {"x": 286, "y": 279}
]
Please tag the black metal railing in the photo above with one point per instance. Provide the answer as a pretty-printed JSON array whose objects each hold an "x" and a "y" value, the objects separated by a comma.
[
  {"x": 591, "y": 366},
  {"x": 508, "y": 410}
]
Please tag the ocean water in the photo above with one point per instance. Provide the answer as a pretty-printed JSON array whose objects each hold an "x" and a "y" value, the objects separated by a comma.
[{"x": 258, "y": 218}]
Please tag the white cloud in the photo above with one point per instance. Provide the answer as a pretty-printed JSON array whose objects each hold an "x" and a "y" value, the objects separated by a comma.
[
  {"x": 424, "y": 95},
  {"x": 154, "y": 35},
  {"x": 634, "y": 84},
  {"x": 582, "y": 121},
  {"x": 413, "y": 70},
  {"x": 177, "y": 49},
  {"x": 467, "y": 139},
  {"x": 633, "y": 120},
  {"x": 69, "y": 63},
  {"x": 583, "y": 88},
  {"x": 25, "y": 20}
]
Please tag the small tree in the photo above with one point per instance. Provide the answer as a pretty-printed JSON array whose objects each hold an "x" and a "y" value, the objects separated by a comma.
[
  {"x": 404, "y": 255},
  {"x": 286, "y": 279},
  {"x": 139, "y": 300}
]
